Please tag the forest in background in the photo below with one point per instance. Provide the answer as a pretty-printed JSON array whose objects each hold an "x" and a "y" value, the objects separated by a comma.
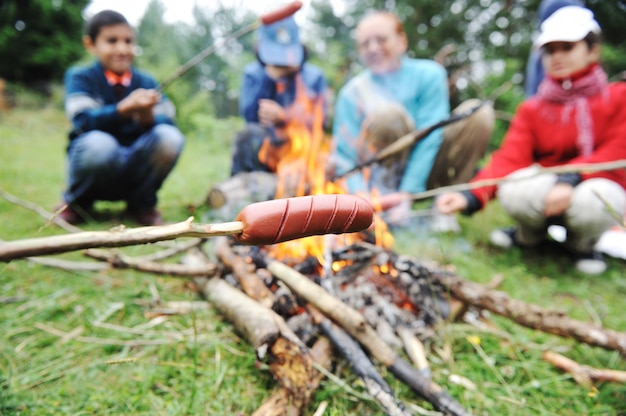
[{"x": 490, "y": 40}]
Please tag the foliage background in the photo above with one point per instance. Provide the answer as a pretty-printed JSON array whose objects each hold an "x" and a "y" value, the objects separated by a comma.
[{"x": 39, "y": 39}]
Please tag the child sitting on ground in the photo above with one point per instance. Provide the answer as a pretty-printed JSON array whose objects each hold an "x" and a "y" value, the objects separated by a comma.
[
  {"x": 123, "y": 142},
  {"x": 577, "y": 117}
]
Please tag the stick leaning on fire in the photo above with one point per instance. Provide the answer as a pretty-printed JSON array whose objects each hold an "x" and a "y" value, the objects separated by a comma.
[{"x": 407, "y": 141}]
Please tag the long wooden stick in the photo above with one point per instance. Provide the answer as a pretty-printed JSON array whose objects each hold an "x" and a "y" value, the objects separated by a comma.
[
  {"x": 118, "y": 237},
  {"x": 407, "y": 141},
  {"x": 582, "y": 167}
]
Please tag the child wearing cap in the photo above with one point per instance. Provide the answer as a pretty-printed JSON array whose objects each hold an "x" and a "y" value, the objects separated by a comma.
[
  {"x": 577, "y": 117},
  {"x": 270, "y": 87},
  {"x": 123, "y": 142}
]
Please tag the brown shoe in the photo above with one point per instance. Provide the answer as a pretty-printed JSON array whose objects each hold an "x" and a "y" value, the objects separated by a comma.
[
  {"x": 69, "y": 214},
  {"x": 145, "y": 216}
]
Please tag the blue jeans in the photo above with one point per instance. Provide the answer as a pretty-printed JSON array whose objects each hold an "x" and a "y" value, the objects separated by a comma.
[
  {"x": 246, "y": 146},
  {"x": 99, "y": 168}
]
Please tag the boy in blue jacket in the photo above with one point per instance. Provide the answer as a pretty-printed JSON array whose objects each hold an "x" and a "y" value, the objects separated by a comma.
[
  {"x": 269, "y": 97},
  {"x": 123, "y": 142}
]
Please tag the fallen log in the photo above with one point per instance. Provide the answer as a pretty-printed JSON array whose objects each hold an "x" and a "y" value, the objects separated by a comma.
[
  {"x": 242, "y": 189},
  {"x": 354, "y": 323},
  {"x": 290, "y": 361},
  {"x": 531, "y": 316}
]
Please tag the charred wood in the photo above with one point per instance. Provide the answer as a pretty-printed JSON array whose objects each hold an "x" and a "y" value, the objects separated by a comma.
[
  {"x": 355, "y": 324},
  {"x": 250, "y": 282},
  {"x": 360, "y": 364},
  {"x": 279, "y": 403},
  {"x": 289, "y": 360}
]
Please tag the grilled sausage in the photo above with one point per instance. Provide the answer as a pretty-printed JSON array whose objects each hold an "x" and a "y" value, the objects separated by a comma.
[
  {"x": 279, "y": 220},
  {"x": 275, "y": 16}
]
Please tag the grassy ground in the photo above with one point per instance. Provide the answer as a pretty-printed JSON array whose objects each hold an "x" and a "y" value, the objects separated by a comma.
[{"x": 199, "y": 365}]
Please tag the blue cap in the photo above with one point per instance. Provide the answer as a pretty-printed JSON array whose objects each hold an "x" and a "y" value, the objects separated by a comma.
[
  {"x": 548, "y": 7},
  {"x": 279, "y": 43}
]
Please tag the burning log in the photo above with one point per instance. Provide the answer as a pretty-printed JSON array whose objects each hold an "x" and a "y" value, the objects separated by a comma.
[
  {"x": 354, "y": 323},
  {"x": 532, "y": 316}
]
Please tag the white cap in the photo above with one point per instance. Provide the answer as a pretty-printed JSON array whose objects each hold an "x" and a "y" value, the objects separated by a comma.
[{"x": 567, "y": 24}]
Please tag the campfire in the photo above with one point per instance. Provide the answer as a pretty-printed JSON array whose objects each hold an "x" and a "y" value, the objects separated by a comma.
[
  {"x": 306, "y": 303},
  {"x": 392, "y": 295}
]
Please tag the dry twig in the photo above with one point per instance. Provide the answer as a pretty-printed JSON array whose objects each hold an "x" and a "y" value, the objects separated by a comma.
[{"x": 583, "y": 374}]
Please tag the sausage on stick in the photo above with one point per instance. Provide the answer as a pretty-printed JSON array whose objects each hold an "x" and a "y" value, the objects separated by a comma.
[
  {"x": 266, "y": 19},
  {"x": 262, "y": 223}
]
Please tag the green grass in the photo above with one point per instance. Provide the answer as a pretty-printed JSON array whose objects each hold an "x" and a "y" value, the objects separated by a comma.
[{"x": 204, "y": 367}]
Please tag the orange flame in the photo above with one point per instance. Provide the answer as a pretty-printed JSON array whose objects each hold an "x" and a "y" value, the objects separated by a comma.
[{"x": 300, "y": 164}]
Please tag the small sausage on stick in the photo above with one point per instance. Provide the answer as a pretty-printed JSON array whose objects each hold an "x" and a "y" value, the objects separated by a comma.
[{"x": 262, "y": 223}]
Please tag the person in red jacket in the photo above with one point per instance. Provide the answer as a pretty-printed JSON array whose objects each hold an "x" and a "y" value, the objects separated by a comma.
[{"x": 577, "y": 117}]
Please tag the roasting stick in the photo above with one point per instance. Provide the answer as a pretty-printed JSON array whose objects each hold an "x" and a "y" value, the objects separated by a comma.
[
  {"x": 266, "y": 19},
  {"x": 574, "y": 168},
  {"x": 407, "y": 141},
  {"x": 262, "y": 223}
]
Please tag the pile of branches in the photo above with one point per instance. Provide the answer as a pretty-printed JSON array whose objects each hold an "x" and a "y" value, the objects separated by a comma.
[{"x": 299, "y": 366}]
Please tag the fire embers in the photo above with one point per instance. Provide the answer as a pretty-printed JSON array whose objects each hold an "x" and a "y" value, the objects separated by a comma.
[{"x": 389, "y": 290}]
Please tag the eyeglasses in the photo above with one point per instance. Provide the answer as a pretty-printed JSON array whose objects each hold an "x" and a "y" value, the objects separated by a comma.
[{"x": 377, "y": 40}]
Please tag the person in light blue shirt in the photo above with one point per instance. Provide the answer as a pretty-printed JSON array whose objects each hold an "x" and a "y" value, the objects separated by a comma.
[{"x": 393, "y": 96}]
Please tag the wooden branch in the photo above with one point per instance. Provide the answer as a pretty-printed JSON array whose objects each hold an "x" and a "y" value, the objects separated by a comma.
[
  {"x": 583, "y": 167},
  {"x": 360, "y": 363},
  {"x": 354, "y": 323},
  {"x": 290, "y": 361},
  {"x": 69, "y": 265},
  {"x": 415, "y": 350},
  {"x": 39, "y": 210},
  {"x": 121, "y": 261},
  {"x": 583, "y": 374},
  {"x": 250, "y": 282},
  {"x": 117, "y": 237},
  {"x": 532, "y": 316},
  {"x": 177, "y": 248},
  {"x": 278, "y": 403}
]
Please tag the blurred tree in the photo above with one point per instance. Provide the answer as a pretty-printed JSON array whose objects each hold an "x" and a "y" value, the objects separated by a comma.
[
  {"x": 39, "y": 39},
  {"x": 484, "y": 44}
]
